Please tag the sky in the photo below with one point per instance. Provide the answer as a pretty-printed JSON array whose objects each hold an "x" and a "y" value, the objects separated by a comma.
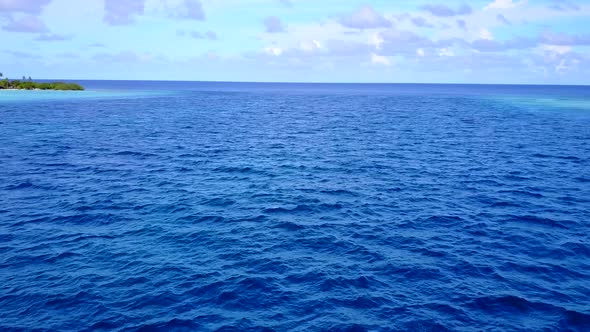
[{"x": 430, "y": 41}]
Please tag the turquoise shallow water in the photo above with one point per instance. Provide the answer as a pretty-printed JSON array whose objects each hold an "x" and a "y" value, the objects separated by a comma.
[
  {"x": 182, "y": 206},
  {"x": 540, "y": 103},
  {"x": 23, "y": 96}
]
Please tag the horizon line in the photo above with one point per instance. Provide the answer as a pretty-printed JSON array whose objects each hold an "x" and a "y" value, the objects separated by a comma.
[{"x": 303, "y": 82}]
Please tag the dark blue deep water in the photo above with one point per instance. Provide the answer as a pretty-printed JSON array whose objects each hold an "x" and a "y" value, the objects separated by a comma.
[{"x": 152, "y": 206}]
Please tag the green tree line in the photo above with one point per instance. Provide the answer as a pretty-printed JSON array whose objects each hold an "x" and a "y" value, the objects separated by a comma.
[{"x": 28, "y": 84}]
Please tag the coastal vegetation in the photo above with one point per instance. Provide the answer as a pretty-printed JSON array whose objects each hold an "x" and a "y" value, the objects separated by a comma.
[{"x": 29, "y": 84}]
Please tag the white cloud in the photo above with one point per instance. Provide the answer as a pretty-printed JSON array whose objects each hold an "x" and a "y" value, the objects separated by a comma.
[
  {"x": 565, "y": 65},
  {"x": 485, "y": 34},
  {"x": 310, "y": 46},
  {"x": 504, "y": 4},
  {"x": 365, "y": 18},
  {"x": 376, "y": 40},
  {"x": 420, "y": 52},
  {"x": 557, "y": 49},
  {"x": 381, "y": 60},
  {"x": 442, "y": 52},
  {"x": 553, "y": 53},
  {"x": 273, "y": 50}
]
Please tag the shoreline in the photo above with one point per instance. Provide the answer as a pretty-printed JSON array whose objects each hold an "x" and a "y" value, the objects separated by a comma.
[
  {"x": 7, "y": 84},
  {"x": 36, "y": 89},
  {"x": 12, "y": 89}
]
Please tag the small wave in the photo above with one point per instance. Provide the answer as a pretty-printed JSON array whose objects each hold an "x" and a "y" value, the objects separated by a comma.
[
  {"x": 239, "y": 170},
  {"x": 339, "y": 192},
  {"x": 180, "y": 325},
  {"x": 347, "y": 328},
  {"x": 291, "y": 226},
  {"x": 540, "y": 155},
  {"x": 302, "y": 208},
  {"x": 425, "y": 325},
  {"x": 575, "y": 320},
  {"x": 200, "y": 218},
  {"x": 507, "y": 304},
  {"x": 578, "y": 248},
  {"x": 440, "y": 221},
  {"x": 87, "y": 219},
  {"x": 361, "y": 282},
  {"x": 23, "y": 185},
  {"x": 534, "y": 220},
  {"x": 519, "y": 307},
  {"x": 134, "y": 154},
  {"x": 505, "y": 204},
  {"x": 219, "y": 202},
  {"x": 521, "y": 193},
  {"x": 517, "y": 178},
  {"x": 417, "y": 273}
]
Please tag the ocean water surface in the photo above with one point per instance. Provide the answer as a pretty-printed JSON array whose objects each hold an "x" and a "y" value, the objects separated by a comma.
[{"x": 179, "y": 206}]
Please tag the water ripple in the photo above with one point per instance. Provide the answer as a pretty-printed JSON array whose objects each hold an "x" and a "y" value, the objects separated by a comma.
[{"x": 328, "y": 209}]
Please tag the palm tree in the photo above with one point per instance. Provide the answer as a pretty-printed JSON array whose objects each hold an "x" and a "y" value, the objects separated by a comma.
[{"x": 1, "y": 74}]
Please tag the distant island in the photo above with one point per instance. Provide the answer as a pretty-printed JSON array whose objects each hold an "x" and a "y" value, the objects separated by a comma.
[{"x": 28, "y": 84}]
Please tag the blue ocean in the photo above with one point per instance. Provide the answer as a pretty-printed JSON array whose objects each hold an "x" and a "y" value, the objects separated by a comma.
[{"x": 194, "y": 206}]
